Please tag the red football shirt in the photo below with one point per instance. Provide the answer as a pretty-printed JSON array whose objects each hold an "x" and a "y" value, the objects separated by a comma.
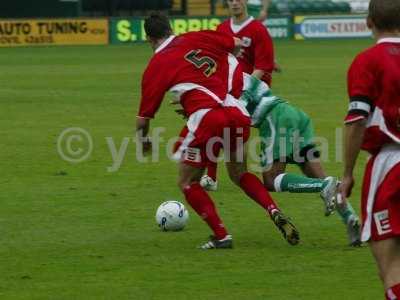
[
  {"x": 197, "y": 67},
  {"x": 258, "y": 48},
  {"x": 374, "y": 91}
]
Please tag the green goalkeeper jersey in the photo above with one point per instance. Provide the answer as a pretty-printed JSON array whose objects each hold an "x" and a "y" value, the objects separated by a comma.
[{"x": 258, "y": 99}]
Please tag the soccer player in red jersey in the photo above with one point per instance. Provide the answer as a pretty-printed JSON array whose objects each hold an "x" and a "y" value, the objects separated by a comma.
[
  {"x": 200, "y": 69},
  {"x": 257, "y": 56},
  {"x": 373, "y": 125}
]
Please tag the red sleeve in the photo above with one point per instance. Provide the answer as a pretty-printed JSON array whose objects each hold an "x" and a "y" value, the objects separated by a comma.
[
  {"x": 154, "y": 87},
  {"x": 361, "y": 88},
  {"x": 221, "y": 27},
  {"x": 263, "y": 50}
]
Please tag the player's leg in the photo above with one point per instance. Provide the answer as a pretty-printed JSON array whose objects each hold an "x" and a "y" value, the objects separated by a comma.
[
  {"x": 313, "y": 168},
  {"x": 253, "y": 187},
  {"x": 191, "y": 153},
  {"x": 297, "y": 137},
  {"x": 212, "y": 170},
  {"x": 286, "y": 136},
  {"x": 275, "y": 179},
  {"x": 384, "y": 218},
  {"x": 345, "y": 210},
  {"x": 387, "y": 256},
  {"x": 271, "y": 173},
  {"x": 237, "y": 170},
  {"x": 328, "y": 192},
  {"x": 203, "y": 205},
  {"x": 299, "y": 134},
  {"x": 318, "y": 181},
  {"x": 209, "y": 181},
  {"x": 285, "y": 130},
  {"x": 295, "y": 183}
]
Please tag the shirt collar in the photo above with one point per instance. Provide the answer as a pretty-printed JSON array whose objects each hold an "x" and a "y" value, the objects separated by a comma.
[
  {"x": 236, "y": 28},
  {"x": 165, "y": 43},
  {"x": 389, "y": 40}
]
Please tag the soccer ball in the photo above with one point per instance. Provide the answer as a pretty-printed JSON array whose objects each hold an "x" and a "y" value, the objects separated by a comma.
[{"x": 172, "y": 216}]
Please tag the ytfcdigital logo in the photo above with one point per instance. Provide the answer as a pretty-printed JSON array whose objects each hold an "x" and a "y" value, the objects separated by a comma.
[{"x": 75, "y": 145}]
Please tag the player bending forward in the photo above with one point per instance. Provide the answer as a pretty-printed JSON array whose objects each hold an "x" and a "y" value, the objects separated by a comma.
[
  {"x": 277, "y": 122},
  {"x": 199, "y": 68},
  {"x": 373, "y": 124}
]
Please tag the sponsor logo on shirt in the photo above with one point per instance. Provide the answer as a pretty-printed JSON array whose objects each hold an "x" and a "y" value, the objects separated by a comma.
[
  {"x": 192, "y": 154},
  {"x": 246, "y": 41},
  {"x": 382, "y": 222}
]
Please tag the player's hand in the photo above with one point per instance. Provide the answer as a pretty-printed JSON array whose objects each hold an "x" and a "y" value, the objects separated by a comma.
[
  {"x": 240, "y": 53},
  {"x": 147, "y": 145},
  {"x": 277, "y": 68},
  {"x": 238, "y": 46},
  {"x": 346, "y": 187}
]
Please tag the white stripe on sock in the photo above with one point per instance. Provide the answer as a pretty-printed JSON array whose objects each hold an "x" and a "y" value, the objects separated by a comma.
[{"x": 277, "y": 182}]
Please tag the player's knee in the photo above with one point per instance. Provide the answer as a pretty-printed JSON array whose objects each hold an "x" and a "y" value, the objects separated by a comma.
[
  {"x": 235, "y": 172},
  {"x": 269, "y": 184},
  {"x": 387, "y": 255},
  {"x": 391, "y": 274},
  {"x": 269, "y": 180},
  {"x": 235, "y": 177},
  {"x": 183, "y": 183},
  {"x": 381, "y": 275}
]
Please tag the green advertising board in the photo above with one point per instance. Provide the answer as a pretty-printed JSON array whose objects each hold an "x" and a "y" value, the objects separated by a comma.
[
  {"x": 125, "y": 31},
  {"x": 280, "y": 28}
]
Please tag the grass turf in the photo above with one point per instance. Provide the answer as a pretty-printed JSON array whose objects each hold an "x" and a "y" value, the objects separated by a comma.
[{"x": 77, "y": 231}]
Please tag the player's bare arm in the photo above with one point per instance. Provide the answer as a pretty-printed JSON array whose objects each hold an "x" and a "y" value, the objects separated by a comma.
[
  {"x": 354, "y": 134},
  {"x": 258, "y": 74}
]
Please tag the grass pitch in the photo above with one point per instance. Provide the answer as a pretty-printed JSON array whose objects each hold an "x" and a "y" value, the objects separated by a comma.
[{"x": 78, "y": 231}]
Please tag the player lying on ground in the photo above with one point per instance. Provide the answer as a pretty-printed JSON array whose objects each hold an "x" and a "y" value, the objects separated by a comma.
[
  {"x": 373, "y": 124},
  {"x": 196, "y": 66},
  {"x": 277, "y": 122}
]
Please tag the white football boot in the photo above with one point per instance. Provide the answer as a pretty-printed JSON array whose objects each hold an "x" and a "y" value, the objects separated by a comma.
[
  {"x": 329, "y": 194},
  {"x": 208, "y": 183}
]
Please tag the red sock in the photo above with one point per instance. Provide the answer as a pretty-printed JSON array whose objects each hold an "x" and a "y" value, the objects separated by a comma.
[
  {"x": 212, "y": 170},
  {"x": 205, "y": 208},
  {"x": 254, "y": 188},
  {"x": 393, "y": 293}
]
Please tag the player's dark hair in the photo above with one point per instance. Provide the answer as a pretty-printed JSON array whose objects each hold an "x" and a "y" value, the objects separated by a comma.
[
  {"x": 157, "y": 26},
  {"x": 385, "y": 14}
]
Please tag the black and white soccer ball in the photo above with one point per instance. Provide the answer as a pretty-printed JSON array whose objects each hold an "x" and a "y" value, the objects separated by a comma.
[{"x": 172, "y": 216}]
